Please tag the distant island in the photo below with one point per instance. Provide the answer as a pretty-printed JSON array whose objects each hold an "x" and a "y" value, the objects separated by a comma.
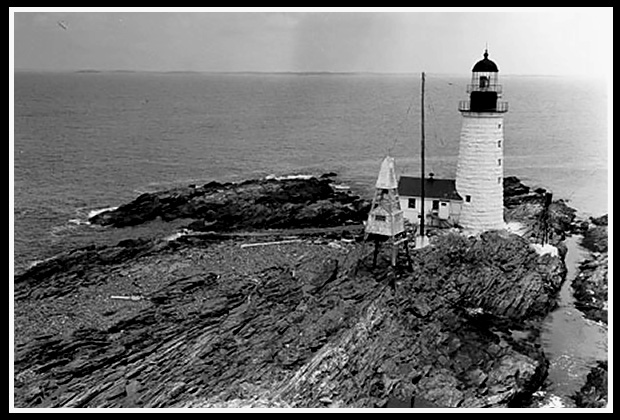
[{"x": 248, "y": 72}]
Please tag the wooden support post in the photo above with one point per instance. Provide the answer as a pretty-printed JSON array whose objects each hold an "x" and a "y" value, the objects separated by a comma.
[
  {"x": 394, "y": 252},
  {"x": 376, "y": 252},
  {"x": 409, "y": 262}
]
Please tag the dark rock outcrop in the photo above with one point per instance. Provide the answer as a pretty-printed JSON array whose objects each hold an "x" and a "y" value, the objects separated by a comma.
[
  {"x": 600, "y": 221},
  {"x": 594, "y": 393},
  {"x": 590, "y": 288},
  {"x": 525, "y": 206},
  {"x": 253, "y": 204},
  {"x": 591, "y": 284},
  {"x": 595, "y": 237},
  {"x": 513, "y": 187}
]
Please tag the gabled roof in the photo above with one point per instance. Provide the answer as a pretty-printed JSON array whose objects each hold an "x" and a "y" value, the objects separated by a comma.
[{"x": 433, "y": 188}]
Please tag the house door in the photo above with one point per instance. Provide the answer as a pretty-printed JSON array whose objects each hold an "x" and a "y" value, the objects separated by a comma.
[{"x": 444, "y": 210}]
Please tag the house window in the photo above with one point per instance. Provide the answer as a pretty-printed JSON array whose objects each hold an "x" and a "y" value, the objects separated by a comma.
[
  {"x": 435, "y": 204},
  {"x": 499, "y": 143},
  {"x": 468, "y": 198},
  {"x": 499, "y": 162},
  {"x": 444, "y": 204},
  {"x": 379, "y": 218},
  {"x": 411, "y": 203}
]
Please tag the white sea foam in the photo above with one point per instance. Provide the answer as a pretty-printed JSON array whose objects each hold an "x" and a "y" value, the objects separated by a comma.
[
  {"x": 93, "y": 213},
  {"x": 37, "y": 262},
  {"x": 177, "y": 235},
  {"x": 516, "y": 228},
  {"x": 284, "y": 177},
  {"x": 78, "y": 222},
  {"x": 545, "y": 249},
  {"x": 553, "y": 401}
]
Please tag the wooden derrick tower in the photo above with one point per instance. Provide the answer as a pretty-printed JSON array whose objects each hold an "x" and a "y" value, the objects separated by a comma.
[{"x": 385, "y": 220}]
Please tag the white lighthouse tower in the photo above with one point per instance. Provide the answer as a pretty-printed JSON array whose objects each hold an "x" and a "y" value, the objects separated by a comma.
[{"x": 480, "y": 168}]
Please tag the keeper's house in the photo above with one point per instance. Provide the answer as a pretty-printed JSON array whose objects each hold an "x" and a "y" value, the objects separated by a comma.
[{"x": 442, "y": 204}]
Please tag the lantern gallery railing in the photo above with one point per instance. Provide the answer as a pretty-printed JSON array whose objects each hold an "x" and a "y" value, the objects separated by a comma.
[{"x": 488, "y": 88}]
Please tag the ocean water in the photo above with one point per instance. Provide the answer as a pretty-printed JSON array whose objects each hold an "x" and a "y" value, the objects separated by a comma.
[{"x": 88, "y": 141}]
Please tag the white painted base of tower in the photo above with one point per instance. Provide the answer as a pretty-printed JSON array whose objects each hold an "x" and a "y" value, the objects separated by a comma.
[
  {"x": 480, "y": 171},
  {"x": 421, "y": 241}
]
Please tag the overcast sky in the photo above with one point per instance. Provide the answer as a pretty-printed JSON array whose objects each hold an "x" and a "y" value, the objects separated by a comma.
[{"x": 547, "y": 43}]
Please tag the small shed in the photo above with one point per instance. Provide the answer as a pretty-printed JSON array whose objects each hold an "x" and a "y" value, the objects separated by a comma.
[{"x": 442, "y": 203}]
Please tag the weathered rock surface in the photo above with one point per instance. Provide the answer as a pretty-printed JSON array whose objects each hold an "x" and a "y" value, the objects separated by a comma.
[
  {"x": 211, "y": 318},
  {"x": 591, "y": 284},
  {"x": 594, "y": 393},
  {"x": 590, "y": 288},
  {"x": 595, "y": 237},
  {"x": 514, "y": 191},
  {"x": 526, "y": 207},
  {"x": 442, "y": 334},
  {"x": 301, "y": 324},
  {"x": 205, "y": 321},
  {"x": 253, "y": 204}
]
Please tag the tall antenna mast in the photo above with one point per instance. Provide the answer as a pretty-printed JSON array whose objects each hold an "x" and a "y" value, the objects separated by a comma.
[{"x": 422, "y": 215}]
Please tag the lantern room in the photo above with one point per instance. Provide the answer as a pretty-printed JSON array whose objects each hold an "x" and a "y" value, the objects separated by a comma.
[{"x": 484, "y": 89}]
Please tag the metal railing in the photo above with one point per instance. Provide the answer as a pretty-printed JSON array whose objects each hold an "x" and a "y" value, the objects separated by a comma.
[
  {"x": 501, "y": 106},
  {"x": 489, "y": 88}
]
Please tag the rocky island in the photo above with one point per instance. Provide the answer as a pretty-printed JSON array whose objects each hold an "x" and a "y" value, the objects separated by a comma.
[{"x": 270, "y": 299}]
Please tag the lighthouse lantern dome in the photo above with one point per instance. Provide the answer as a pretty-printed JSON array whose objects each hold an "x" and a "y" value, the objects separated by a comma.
[{"x": 484, "y": 75}]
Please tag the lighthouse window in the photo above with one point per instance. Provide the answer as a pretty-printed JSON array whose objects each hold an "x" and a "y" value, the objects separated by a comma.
[
  {"x": 411, "y": 203},
  {"x": 468, "y": 198},
  {"x": 499, "y": 143},
  {"x": 499, "y": 162},
  {"x": 499, "y": 125},
  {"x": 499, "y": 180}
]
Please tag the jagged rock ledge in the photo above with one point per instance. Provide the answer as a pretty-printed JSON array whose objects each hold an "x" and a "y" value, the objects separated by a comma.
[
  {"x": 591, "y": 284},
  {"x": 200, "y": 322},
  {"x": 594, "y": 393},
  {"x": 525, "y": 206},
  {"x": 252, "y": 204}
]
